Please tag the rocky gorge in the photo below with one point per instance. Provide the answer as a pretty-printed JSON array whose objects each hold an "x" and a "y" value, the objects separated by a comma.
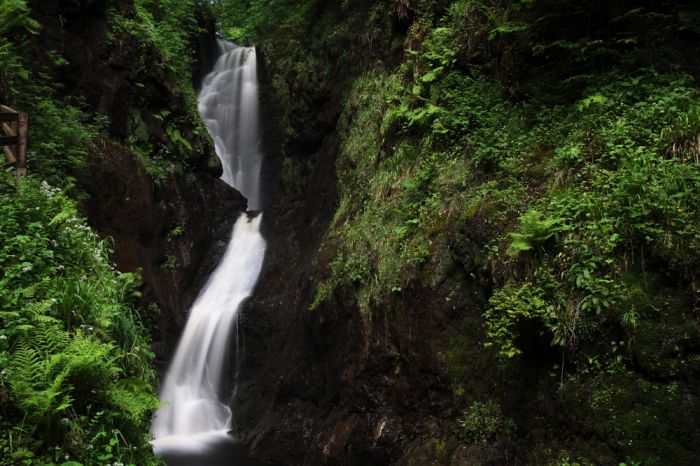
[{"x": 481, "y": 225}]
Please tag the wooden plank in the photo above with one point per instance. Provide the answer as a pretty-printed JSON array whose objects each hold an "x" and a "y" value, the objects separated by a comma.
[
  {"x": 9, "y": 117},
  {"x": 9, "y": 155},
  {"x": 15, "y": 126},
  {"x": 9, "y": 152},
  {"x": 9, "y": 140},
  {"x": 22, "y": 131},
  {"x": 9, "y": 130}
]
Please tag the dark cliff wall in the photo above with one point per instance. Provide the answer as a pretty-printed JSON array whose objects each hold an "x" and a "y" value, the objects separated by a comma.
[
  {"x": 406, "y": 377},
  {"x": 140, "y": 217},
  {"x": 330, "y": 386}
]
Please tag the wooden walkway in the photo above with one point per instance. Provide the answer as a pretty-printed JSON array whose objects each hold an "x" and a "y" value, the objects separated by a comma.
[{"x": 13, "y": 137}]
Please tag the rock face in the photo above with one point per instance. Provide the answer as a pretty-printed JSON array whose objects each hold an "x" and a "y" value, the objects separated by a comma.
[
  {"x": 109, "y": 75},
  {"x": 334, "y": 386},
  {"x": 175, "y": 259},
  {"x": 339, "y": 386}
]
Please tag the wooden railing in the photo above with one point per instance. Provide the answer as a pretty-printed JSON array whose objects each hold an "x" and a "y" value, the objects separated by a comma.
[{"x": 13, "y": 137}]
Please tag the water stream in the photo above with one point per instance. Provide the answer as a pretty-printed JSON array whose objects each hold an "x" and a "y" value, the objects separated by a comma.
[{"x": 194, "y": 417}]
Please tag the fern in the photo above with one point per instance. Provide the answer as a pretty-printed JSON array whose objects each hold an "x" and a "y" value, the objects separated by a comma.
[
  {"x": 534, "y": 231},
  {"x": 134, "y": 399},
  {"x": 38, "y": 382},
  {"x": 88, "y": 361}
]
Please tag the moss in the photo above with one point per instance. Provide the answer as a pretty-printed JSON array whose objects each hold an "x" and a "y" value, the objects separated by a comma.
[
  {"x": 467, "y": 357},
  {"x": 646, "y": 420},
  {"x": 666, "y": 338}
]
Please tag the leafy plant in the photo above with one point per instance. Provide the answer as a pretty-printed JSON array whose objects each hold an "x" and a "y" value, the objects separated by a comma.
[
  {"x": 15, "y": 24},
  {"x": 74, "y": 357},
  {"x": 484, "y": 421},
  {"x": 534, "y": 232}
]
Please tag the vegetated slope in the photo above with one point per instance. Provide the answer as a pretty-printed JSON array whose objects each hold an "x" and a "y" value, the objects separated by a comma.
[
  {"x": 114, "y": 137},
  {"x": 77, "y": 377},
  {"x": 509, "y": 271}
]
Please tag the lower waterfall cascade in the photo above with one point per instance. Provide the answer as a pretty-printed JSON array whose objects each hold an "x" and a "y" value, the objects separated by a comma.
[{"x": 193, "y": 410}]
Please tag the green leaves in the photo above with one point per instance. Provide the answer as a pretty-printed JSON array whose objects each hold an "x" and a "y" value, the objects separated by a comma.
[
  {"x": 511, "y": 305},
  {"x": 67, "y": 212},
  {"x": 534, "y": 232},
  {"x": 176, "y": 137},
  {"x": 624, "y": 197},
  {"x": 432, "y": 75},
  {"x": 15, "y": 14},
  {"x": 588, "y": 101},
  {"x": 484, "y": 421},
  {"x": 134, "y": 398},
  {"x": 250, "y": 22},
  {"x": 68, "y": 336},
  {"x": 38, "y": 374},
  {"x": 15, "y": 24}
]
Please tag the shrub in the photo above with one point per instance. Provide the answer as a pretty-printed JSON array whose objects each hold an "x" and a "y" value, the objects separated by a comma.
[{"x": 484, "y": 421}]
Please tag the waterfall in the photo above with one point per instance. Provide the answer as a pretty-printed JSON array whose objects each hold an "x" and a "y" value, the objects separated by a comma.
[
  {"x": 191, "y": 408},
  {"x": 228, "y": 104}
]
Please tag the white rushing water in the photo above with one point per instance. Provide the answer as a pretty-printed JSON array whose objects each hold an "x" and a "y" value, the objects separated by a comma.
[
  {"x": 228, "y": 104},
  {"x": 192, "y": 410}
]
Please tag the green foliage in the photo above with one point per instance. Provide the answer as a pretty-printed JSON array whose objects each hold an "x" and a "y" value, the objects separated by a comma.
[
  {"x": 170, "y": 263},
  {"x": 15, "y": 24},
  {"x": 245, "y": 21},
  {"x": 558, "y": 165},
  {"x": 61, "y": 133},
  {"x": 511, "y": 305},
  {"x": 484, "y": 421},
  {"x": 646, "y": 418},
  {"x": 75, "y": 368},
  {"x": 408, "y": 195},
  {"x": 534, "y": 232},
  {"x": 163, "y": 33},
  {"x": 625, "y": 194},
  {"x": 175, "y": 232},
  {"x": 161, "y": 28},
  {"x": 76, "y": 376},
  {"x": 396, "y": 193},
  {"x": 15, "y": 15}
]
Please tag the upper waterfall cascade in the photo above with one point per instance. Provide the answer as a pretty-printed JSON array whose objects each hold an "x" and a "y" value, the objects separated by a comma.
[
  {"x": 192, "y": 407},
  {"x": 228, "y": 103}
]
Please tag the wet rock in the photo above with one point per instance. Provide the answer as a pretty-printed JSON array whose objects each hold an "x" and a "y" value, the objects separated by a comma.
[{"x": 174, "y": 232}]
